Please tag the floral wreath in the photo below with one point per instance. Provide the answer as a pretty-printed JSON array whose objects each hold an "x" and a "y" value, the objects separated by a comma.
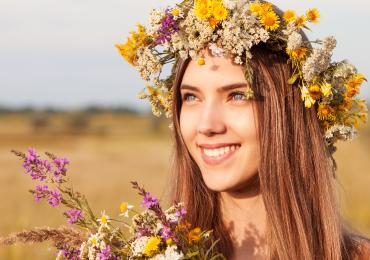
[{"x": 233, "y": 27}]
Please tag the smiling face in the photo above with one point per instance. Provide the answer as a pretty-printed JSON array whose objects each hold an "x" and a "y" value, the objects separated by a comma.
[{"x": 218, "y": 123}]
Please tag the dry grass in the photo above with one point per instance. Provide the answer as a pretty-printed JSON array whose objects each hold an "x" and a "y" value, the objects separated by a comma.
[{"x": 111, "y": 152}]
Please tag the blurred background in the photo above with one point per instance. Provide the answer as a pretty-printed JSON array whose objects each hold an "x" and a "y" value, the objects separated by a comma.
[{"x": 65, "y": 89}]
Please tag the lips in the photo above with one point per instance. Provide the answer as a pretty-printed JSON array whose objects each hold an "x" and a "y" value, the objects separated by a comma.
[{"x": 214, "y": 154}]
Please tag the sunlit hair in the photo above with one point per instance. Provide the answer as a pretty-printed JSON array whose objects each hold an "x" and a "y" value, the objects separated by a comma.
[{"x": 296, "y": 174}]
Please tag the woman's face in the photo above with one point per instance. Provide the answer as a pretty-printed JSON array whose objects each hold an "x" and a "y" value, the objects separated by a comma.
[{"x": 218, "y": 124}]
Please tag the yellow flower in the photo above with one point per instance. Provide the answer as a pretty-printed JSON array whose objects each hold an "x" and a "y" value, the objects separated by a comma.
[
  {"x": 169, "y": 242},
  {"x": 203, "y": 10},
  {"x": 93, "y": 239},
  {"x": 213, "y": 22},
  {"x": 260, "y": 9},
  {"x": 270, "y": 21},
  {"x": 194, "y": 235},
  {"x": 202, "y": 2},
  {"x": 183, "y": 226},
  {"x": 325, "y": 112},
  {"x": 201, "y": 61},
  {"x": 313, "y": 15},
  {"x": 104, "y": 219},
  {"x": 289, "y": 16},
  {"x": 300, "y": 20},
  {"x": 298, "y": 54},
  {"x": 326, "y": 89},
  {"x": 306, "y": 97},
  {"x": 355, "y": 81},
  {"x": 152, "y": 246},
  {"x": 219, "y": 11},
  {"x": 346, "y": 104},
  {"x": 265, "y": 8},
  {"x": 353, "y": 84},
  {"x": 175, "y": 12},
  {"x": 315, "y": 91},
  {"x": 124, "y": 208},
  {"x": 137, "y": 39},
  {"x": 255, "y": 8}
]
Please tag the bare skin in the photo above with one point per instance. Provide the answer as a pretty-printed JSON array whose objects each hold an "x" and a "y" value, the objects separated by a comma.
[{"x": 215, "y": 117}]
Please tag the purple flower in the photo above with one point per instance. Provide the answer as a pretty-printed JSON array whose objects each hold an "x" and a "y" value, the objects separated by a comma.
[
  {"x": 35, "y": 167},
  {"x": 40, "y": 192},
  {"x": 149, "y": 201},
  {"x": 71, "y": 254},
  {"x": 35, "y": 175},
  {"x": 105, "y": 253},
  {"x": 55, "y": 197},
  {"x": 166, "y": 233},
  {"x": 60, "y": 163},
  {"x": 32, "y": 155},
  {"x": 74, "y": 215},
  {"x": 168, "y": 27},
  {"x": 180, "y": 212}
]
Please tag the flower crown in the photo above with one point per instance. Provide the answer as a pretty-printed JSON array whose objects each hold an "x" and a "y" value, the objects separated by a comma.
[{"x": 232, "y": 28}]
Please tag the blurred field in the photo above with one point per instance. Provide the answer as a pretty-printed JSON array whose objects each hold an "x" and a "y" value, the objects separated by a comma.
[{"x": 109, "y": 150}]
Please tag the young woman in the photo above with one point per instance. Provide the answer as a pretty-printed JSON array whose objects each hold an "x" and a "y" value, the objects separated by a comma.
[
  {"x": 252, "y": 161},
  {"x": 256, "y": 171}
]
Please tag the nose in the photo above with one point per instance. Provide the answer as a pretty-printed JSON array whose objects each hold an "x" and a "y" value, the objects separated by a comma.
[{"x": 211, "y": 120}]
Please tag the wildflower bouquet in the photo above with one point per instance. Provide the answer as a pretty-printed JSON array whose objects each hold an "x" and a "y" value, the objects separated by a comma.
[{"x": 152, "y": 234}]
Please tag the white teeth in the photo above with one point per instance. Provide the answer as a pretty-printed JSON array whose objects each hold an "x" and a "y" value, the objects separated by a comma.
[{"x": 219, "y": 151}]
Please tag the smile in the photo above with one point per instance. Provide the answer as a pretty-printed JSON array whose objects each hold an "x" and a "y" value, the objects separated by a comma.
[{"x": 213, "y": 156}]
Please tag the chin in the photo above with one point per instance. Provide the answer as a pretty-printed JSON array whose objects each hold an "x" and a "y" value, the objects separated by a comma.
[{"x": 220, "y": 182}]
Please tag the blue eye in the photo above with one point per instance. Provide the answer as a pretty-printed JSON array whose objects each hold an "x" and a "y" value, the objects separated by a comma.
[
  {"x": 187, "y": 95},
  {"x": 238, "y": 95}
]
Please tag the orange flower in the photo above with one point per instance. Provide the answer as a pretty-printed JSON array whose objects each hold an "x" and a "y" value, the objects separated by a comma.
[
  {"x": 300, "y": 20},
  {"x": 325, "y": 112},
  {"x": 289, "y": 16},
  {"x": 194, "y": 235},
  {"x": 313, "y": 15},
  {"x": 315, "y": 92},
  {"x": 298, "y": 54}
]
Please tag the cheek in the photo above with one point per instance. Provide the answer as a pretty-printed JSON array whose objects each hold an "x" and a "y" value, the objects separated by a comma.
[{"x": 187, "y": 126}]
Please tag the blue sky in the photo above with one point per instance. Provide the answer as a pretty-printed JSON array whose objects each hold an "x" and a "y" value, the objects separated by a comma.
[{"x": 61, "y": 53}]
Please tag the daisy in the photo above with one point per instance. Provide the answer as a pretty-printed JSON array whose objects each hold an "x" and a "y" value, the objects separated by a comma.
[
  {"x": 104, "y": 219},
  {"x": 124, "y": 208}
]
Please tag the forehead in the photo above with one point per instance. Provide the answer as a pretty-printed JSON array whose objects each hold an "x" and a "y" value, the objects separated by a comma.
[{"x": 217, "y": 71}]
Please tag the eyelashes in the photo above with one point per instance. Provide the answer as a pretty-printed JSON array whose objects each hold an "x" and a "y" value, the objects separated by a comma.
[{"x": 189, "y": 97}]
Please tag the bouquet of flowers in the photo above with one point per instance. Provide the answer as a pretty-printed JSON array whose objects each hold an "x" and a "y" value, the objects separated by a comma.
[{"x": 153, "y": 233}]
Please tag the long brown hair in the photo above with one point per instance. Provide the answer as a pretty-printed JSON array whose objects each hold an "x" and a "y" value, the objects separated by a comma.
[{"x": 296, "y": 174}]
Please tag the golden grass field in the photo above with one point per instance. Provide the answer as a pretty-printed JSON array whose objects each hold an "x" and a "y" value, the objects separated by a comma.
[{"x": 115, "y": 149}]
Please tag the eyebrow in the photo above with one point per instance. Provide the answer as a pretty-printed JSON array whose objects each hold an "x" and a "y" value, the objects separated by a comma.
[{"x": 220, "y": 89}]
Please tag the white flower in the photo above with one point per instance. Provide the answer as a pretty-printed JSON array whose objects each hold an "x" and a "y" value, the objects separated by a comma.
[
  {"x": 233, "y": 4},
  {"x": 340, "y": 132},
  {"x": 124, "y": 208},
  {"x": 171, "y": 253},
  {"x": 138, "y": 246},
  {"x": 104, "y": 219},
  {"x": 319, "y": 60},
  {"x": 216, "y": 51},
  {"x": 294, "y": 41},
  {"x": 93, "y": 239}
]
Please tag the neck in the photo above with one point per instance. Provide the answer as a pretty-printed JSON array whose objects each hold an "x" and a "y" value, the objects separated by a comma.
[{"x": 244, "y": 215}]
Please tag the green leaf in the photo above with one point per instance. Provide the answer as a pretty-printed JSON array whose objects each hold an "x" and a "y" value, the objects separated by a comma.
[{"x": 293, "y": 79}]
